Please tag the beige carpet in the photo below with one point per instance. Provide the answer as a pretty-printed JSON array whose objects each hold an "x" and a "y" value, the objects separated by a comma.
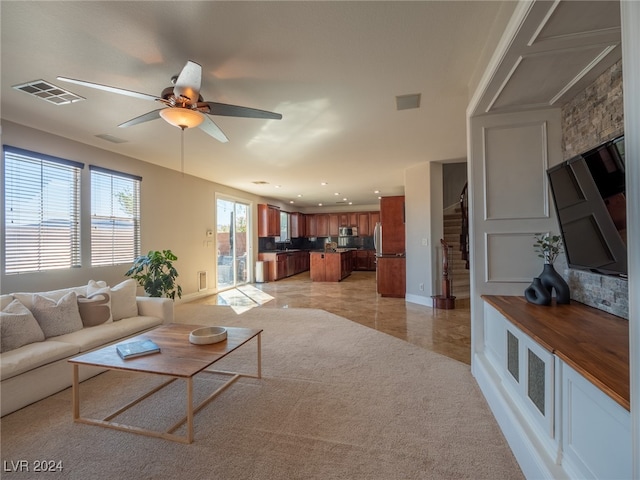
[{"x": 337, "y": 401}]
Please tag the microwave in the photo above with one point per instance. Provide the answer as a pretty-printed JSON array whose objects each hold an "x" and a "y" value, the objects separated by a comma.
[{"x": 348, "y": 231}]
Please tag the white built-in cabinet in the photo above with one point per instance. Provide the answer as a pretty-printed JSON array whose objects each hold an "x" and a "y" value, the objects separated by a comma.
[{"x": 557, "y": 422}]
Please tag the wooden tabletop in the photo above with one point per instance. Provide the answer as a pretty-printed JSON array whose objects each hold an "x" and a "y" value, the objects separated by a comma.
[
  {"x": 593, "y": 342},
  {"x": 178, "y": 356}
]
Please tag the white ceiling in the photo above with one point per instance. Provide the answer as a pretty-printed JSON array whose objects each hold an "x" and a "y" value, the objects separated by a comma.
[{"x": 332, "y": 69}]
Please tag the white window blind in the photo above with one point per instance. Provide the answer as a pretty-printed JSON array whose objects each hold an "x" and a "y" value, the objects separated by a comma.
[
  {"x": 42, "y": 211},
  {"x": 115, "y": 217}
]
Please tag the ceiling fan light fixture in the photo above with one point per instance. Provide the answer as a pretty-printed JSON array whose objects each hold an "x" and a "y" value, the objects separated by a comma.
[{"x": 182, "y": 117}]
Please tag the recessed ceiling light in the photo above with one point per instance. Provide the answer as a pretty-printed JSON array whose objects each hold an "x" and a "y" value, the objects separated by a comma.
[
  {"x": 277, "y": 186},
  {"x": 337, "y": 193},
  {"x": 350, "y": 203},
  {"x": 299, "y": 195},
  {"x": 376, "y": 191},
  {"x": 324, "y": 184},
  {"x": 344, "y": 199},
  {"x": 291, "y": 201},
  {"x": 320, "y": 204}
]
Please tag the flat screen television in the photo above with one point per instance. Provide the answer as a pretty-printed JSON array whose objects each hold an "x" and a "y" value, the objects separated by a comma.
[{"x": 588, "y": 191}]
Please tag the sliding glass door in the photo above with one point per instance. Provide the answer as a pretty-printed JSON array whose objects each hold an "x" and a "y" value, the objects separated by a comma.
[{"x": 232, "y": 242}]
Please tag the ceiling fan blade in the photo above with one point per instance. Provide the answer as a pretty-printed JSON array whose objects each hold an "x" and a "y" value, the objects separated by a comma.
[
  {"x": 226, "y": 110},
  {"x": 152, "y": 115},
  {"x": 107, "y": 88},
  {"x": 188, "y": 82},
  {"x": 212, "y": 129}
]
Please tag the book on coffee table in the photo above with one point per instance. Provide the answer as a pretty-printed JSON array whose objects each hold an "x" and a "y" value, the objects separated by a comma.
[{"x": 137, "y": 349}]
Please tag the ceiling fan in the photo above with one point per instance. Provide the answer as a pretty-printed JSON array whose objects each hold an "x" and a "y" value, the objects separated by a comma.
[{"x": 184, "y": 106}]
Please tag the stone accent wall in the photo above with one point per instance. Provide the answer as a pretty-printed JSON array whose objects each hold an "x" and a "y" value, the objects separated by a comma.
[
  {"x": 589, "y": 119},
  {"x": 595, "y": 115}
]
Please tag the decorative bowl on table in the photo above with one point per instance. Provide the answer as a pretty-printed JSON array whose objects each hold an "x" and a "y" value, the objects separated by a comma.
[{"x": 208, "y": 335}]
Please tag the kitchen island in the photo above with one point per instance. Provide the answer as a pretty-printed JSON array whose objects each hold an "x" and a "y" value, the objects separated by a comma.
[{"x": 331, "y": 266}]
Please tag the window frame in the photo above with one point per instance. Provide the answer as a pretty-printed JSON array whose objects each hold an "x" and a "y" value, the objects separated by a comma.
[
  {"x": 104, "y": 255},
  {"x": 55, "y": 246}
]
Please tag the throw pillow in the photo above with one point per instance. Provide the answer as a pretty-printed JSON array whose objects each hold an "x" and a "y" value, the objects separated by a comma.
[
  {"x": 18, "y": 327},
  {"x": 123, "y": 300},
  {"x": 96, "y": 308},
  {"x": 57, "y": 318}
]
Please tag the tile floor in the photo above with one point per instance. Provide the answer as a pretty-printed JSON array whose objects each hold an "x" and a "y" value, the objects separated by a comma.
[{"x": 447, "y": 332}]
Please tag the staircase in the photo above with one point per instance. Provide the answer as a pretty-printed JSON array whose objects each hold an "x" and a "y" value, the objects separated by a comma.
[{"x": 460, "y": 283}]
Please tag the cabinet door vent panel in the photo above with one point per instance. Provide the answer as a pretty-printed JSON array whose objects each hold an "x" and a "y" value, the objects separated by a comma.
[
  {"x": 536, "y": 380},
  {"x": 513, "y": 360}
]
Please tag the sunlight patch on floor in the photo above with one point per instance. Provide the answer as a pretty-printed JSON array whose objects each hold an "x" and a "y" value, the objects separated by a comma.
[{"x": 243, "y": 298}]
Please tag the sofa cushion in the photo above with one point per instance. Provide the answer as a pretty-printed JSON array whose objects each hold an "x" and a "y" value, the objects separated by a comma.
[
  {"x": 95, "y": 309},
  {"x": 57, "y": 317},
  {"x": 5, "y": 300},
  {"x": 27, "y": 298},
  {"x": 18, "y": 327},
  {"x": 34, "y": 355},
  {"x": 90, "y": 338},
  {"x": 123, "y": 298}
]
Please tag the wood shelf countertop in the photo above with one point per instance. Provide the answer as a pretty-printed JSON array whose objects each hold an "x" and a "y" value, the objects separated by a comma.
[{"x": 593, "y": 342}]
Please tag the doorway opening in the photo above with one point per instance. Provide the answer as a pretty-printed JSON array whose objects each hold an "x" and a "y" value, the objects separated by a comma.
[{"x": 232, "y": 242}]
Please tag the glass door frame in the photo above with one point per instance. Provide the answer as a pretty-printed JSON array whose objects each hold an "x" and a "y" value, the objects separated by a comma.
[{"x": 249, "y": 240}]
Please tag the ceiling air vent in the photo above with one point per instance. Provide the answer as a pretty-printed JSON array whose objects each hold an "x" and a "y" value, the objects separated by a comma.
[
  {"x": 49, "y": 92},
  {"x": 111, "y": 138},
  {"x": 405, "y": 102}
]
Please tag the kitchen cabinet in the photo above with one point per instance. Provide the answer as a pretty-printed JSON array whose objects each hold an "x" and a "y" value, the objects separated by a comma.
[
  {"x": 393, "y": 228},
  {"x": 322, "y": 225},
  {"x": 391, "y": 276},
  {"x": 374, "y": 217},
  {"x": 334, "y": 221},
  {"x": 311, "y": 225},
  {"x": 364, "y": 260},
  {"x": 298, "y": 225},
  {"x": 268, "y": 221},
  {"x": 349, "y": 219},
  {"x": 330, "y": 266},
  {"x": 279, "y": 265},
  {"x": 364, "y": 222}
]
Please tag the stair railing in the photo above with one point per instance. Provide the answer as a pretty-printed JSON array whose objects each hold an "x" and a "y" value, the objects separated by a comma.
[{"x": 464, "y": 232}]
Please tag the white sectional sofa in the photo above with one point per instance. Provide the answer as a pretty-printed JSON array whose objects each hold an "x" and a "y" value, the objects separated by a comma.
[{"x": 40, "y": 331}]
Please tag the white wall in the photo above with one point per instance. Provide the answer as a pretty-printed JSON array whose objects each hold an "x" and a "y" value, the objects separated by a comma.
[
  {"x": 423, "y": 210},
  {"x": 176, "y": 212},
  {"x": 630, "y": 15}
]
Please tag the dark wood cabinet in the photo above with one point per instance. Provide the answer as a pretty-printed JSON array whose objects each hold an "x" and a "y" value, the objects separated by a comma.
[
  {"x": 391, "y": 277},
  {"x": 364, "y": 224},
  {"x": 311, "y": 225},
  {"x": 268, "y": 221},
  {"x": 392, "y": 219},
  {"x": 334, "y": 220},
  {"x": 364, "y": 260},
  {"x": 322, "y": 225},
  {"x": 284, "y": 264},
  {"x": 298, "y": 225},
  {"x": 330, "y": 266}
]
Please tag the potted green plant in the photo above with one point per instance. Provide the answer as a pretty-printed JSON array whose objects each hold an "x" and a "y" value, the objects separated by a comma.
[
  {"x": 156, "y": 274},
  {"x": 548, "y": 246}
]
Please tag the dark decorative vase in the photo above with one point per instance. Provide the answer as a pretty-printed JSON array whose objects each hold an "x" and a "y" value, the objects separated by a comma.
[
  {"x": 552, "y": 280},
  {"x": 537, "y": 293}
]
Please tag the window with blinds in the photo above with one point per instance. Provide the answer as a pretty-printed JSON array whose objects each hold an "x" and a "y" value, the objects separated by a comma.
[
  {"x": 115, "y": 217},
  {"x": 42, "y": 212}
]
